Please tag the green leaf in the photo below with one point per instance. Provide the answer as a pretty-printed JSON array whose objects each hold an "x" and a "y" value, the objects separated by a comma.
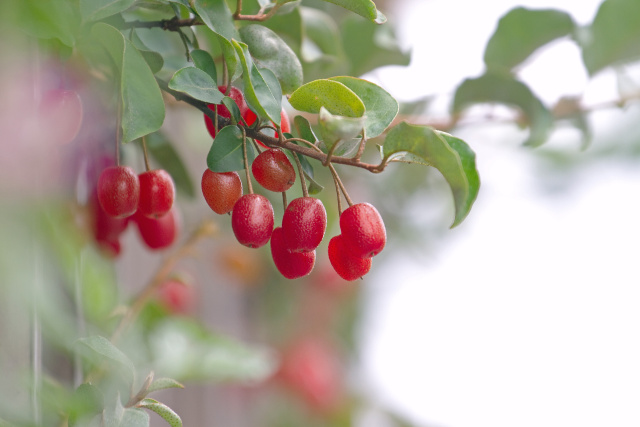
[
  {"x": 337, "y": 98},
  {"x": 163, "y": 152},
  {"x": 133, "y": 417},
  {"x": 338, "y": 132},
  {"x": 321, "y": 35},
  {"x": 51, "y": 19},
  {"x": 203, "y": 61},
  {"x": 450, "y": 155},
  {"x": 304, "y": 129},
  {"x": 163, "y": 384},
  {"x": 521, "y": 32},
  {"x": 261, "y": 95},
  {"x": 233, "y": 108},
  {"x": 95, "y": 10},
  {"x": 142, "y": 103},
  {"x": 218, "y": 18},
  {"x": 501, "y": 88},
  {"x": 197, "y": 84},
  {"x": 614, "y": 35},
  {"x": 365, "y": 8},
  {"x": 270, "y": 51},
  {"x": 104, "y": 349},
  {"x": 381, "y": 108},
  {"x": 225, "y": 154},
  {"x": 163, "y": 410}
]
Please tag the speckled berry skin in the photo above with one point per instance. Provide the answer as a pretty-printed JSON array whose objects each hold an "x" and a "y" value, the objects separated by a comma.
[
  {"x": 348, "y": 266},
  {"x": 291, "y": 265},
  {"x": 252, "y": 220},
  {"x": 304, "y": 223},
  {"x": 363, "y": 230},
  {"x": 157, "y": 193},
  {"x": 118, "y": 191},
  {"x": 221, "y": 190},
  {"x": 273, "y": 170}
]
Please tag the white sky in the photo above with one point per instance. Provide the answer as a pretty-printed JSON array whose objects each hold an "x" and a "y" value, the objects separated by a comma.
[{"x": 529, "y": 316}]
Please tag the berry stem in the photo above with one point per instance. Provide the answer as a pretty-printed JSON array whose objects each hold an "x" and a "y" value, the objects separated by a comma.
[
  {"x": 303, "y": 181},
  {"x": 335, "y": 181},
  {"x": 118, "y": 126},
  {"x": 361, "y": 147},
  {"x": 284, "y": 200},
  {"x": 145, "y": 154},
  {"x": 338, "y": 181},
  {"x": 246, "y": 160}
]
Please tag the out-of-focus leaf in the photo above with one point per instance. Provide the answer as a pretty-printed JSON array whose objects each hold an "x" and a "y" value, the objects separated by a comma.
[
  {"x": 142, "y": 103},
  {"x": 288, "y": 27},
  {"x": 614, "y": 35},
  {"x": 321, "y": 35},
  {"x": 521, "y": 31},
  {"x": 450, "y": 155},
  {"x": 103, "y": 348},
  {"x": 381, "y": 108},
  {"x": 167, "y": 414},
  {"x": 163, "y": 152},
  {"x": 95, "y": 10},
  {"x": 133, "y": 417},
  {"x": 225, "y": 154},
  {"x": 334, "y": 96},
  {"x": 163, "y": 384},
  {"x": 197, "y": 84},
  {"x": 52, "y": 19},
  {"x": 501, "y": 88},
  {"x": 270, "y": 51},
  {"x": 364, "y": 8}
]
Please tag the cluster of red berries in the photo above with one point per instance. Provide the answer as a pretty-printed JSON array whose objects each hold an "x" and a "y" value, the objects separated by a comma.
[
  {"x": 293, "y": 245},
  {"x": 147, "y": 199}
]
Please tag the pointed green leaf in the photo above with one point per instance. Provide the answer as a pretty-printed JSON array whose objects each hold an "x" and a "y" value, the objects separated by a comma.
[
  {"x": 197, "y": 84},
  {"x": 270, "y": 51},
  {"x": 233, "y": 108},
  {"x": 381, "y": 108},
  {"x": 614, "y": 35},
  {"x": 451, "y": 156},
  {"x": 334, "y": 96},
  {"x": 338, "y": 132},
  {"x": 365, "y": 8},
  {"x": 163, "y": 384},
  {"x": 501, "y": 88},
  {"x": 95, "y": 10},
  {"x": 142, "y": 103},
  {"x": 163, "y": 152},
  {"x": 225, "y": 154},
  {"x": 103, "y": 348},
  {"x": 522, "y": 31},
  {"x": 304, "y": 129},
  {"x": 203, "y": 61},
  {"x": 163, "y": 410},
  {"x": 154, "y": 59},
  {"x": 261, "y": 95}
]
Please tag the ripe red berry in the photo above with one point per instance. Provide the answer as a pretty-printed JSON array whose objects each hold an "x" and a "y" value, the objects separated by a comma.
[
  {"x": 304, "y": 223},
  {"x": 252, "y": 220},
  {"x": 221, "y": 190},
  {"x": 250, "y": 118},
  {"x": 106, "y": 229},
  {"x": 273, "y": 170},
  {"x": 290, "y": 264},
  {"x": 363, "y": 230},
  {"x": 119, "y": 191},
  {"x": 159, "y": 233},
  {"x": 156, "y": 193},
  {"x": 177, "y": 297},
  {"x": 234, "y": 94},
  {"x": 344, "y": 262}
]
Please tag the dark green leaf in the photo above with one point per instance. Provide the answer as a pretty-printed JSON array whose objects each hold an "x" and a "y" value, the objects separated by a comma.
[
  {"x": 337, "y": 98},
  {"x": 521, "y": 31},
  {"x": 261, "y": 95},
  {"x": 103, "y": 348},
  {"x": 365, "y": 8},
  {"x": 288, "y": 27},
  {"x": 197, "y": 84},
  {"x": 304, "y": 129},
  {"x": 163, "y": 152},
  {"x": 614, "y": 35},
  {"x": 142, "y": 103},
  {"x": 163, "y": 410},
  {"x": 95, "y": 10},
  {"x": 270, "y": 51},
  {"x": 225, "y": 154},
  {"x": 233, "y": 109},
  {"x": 203, "y": 61},
  {"x": 504, "y": 89},
  {"x": 451, "y": 156},
  {"x": 381, "y": 108},
  {"x": 163, "y": 384}
]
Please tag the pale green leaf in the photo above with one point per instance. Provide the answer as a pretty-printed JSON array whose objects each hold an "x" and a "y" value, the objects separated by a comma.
[
  {"x": 339, "y": 133},
  {"x": 364, "y": 8},
  {"x": 101, "y": 348},
  {"x": 163, "y": 384},
  {"x": 334, "y": 96},
  {"x": 167, "y": 414},
  {"x": 95, "y": 10}
]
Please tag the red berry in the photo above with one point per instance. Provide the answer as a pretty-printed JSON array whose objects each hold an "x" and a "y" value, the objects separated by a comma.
[
  {"x": 60, "y": 115},
  {"x": 363, "y": 230},
  {"x": 273, "y": 170},
  {"x": 234, "y": 94},
  {"x": 176, "y": 296},
  {"x": 221, "y": 190},
  {"x": 252, "y": 220},
  {"x": 106, "y": 229},
  {"x": 285, "y": 125},
  {"x": 290, "y": 264},
  {"x": 250, "y": 118},
  {"x": 159, "y": 233},
  {"x": 119, "y": 191},
  {"x": 344, "y": 262},
  {"x": 156, "y": 193},
  {"x": 304, "y": 223}
]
